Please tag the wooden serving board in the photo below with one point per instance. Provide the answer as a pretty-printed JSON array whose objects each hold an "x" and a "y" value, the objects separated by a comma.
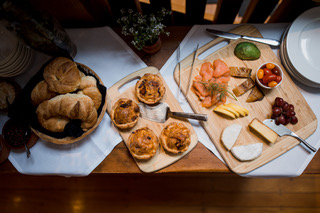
[
  {"x": 261, "y": 109},
  {"x": 162, "y": 158}
]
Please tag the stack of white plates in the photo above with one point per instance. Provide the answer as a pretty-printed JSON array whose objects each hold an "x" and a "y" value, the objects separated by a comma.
[
  {"x": 300, "y": 48},
  {"x": 15, "y": 57}
]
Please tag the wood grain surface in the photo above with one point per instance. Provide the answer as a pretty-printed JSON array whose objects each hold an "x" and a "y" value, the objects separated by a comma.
[
  {"x": 162, "y": 158},
  {"x": 261, "y": 109}
]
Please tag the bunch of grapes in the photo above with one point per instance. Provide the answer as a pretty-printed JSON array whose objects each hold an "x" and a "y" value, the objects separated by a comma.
[{"x": 283, "y": 112}]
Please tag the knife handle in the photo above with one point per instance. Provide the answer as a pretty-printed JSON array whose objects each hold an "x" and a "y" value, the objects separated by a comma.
[
  {"x": 269, "y": 41},
  {"x": 304, "y": 142},
  {"x": 200, "y": 117}
]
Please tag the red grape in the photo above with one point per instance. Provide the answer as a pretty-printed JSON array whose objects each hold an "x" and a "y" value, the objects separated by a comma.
[
  {"x": 279, "y": 102},
  {"x": 294, "y": 120},
  {"x": 277, "y": 110}
]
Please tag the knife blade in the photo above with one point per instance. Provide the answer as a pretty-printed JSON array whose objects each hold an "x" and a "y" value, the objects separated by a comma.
[
  {"x": 234, "y": 36},
  {"x": 281, "y": 130}
]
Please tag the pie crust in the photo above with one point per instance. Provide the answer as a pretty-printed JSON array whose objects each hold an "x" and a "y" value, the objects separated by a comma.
[
  {"x": 175, "y": 138},
  {"x": 150, "y": 89},
  {"x": 143, "y": 143},
  {"x": 125, "y": 113}
]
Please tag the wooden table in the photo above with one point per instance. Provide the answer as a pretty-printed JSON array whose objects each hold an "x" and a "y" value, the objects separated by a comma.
[{"x": 200, "y": 160}]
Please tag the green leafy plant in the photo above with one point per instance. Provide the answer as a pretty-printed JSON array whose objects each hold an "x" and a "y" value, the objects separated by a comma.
[{"x": 145, "y": 29}]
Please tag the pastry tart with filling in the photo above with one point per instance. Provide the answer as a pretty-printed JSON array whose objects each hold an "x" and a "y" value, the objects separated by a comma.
[
  {"x": 143, "y": 143},
  {"x": 125, "y": 113},
  {"x": 175, "y": 138},
  {"x": 150, "y": 89}
]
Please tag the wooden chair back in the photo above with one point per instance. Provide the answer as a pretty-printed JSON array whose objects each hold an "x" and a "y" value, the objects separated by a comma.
[{"x": 88, "y": 13}]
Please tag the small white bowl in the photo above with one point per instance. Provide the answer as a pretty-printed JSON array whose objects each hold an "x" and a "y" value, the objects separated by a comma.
[{"x": 276, "y": 67}]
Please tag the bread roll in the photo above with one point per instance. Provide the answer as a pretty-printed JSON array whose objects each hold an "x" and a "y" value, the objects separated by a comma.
[
  {"x": 62, "y": 75},
  {"x": 41, "y": 93},
  {"x": 55, "y": 113},
  {"x": 88, "y": 86}
]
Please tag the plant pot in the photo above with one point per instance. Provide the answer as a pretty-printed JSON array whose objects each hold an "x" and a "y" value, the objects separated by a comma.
[{"x": 153, "y": 48}]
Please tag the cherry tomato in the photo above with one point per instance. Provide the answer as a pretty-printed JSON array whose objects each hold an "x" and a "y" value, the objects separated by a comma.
[
  {"x": 278, "y": 79},
  {"x": 260, "y": 73},
  {"x": 267, "y": 71},
  {"x": 272, "y": 84},
  {"x": 270, "y": 66},
  {"x": 269, "y": 78},
  {"x": 276, "y": 71}
]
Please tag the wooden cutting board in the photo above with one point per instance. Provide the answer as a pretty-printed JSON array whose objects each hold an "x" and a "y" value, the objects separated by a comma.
[
  {"x": 162, "y": 158},
  {"x": 261, "y": 109}
]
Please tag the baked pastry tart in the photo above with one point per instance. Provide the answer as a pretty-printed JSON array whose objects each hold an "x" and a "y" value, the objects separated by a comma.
[
  {"x": 125, "y": 113},
  {"x": 150, "y": 89},
  {"x": 175, "y": 138},
  {"x": 8, "y": 93},
  {"x": 143, "y": 143}
]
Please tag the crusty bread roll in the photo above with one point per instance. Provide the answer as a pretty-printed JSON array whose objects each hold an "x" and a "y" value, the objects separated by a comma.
[
  {"x": 7, "y": 94},
  {"x": 88, "y": 86},
  {"x": 55, "y": 113},
  {"x": 41, "y": 93},
  {"x": 62, "y": 75}
]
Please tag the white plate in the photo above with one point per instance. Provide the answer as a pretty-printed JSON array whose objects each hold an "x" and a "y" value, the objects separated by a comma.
[
  {"x": 303, "y": 44},
  {"x": 288, "y": 64},
  {"x": 8, "y": 44}
]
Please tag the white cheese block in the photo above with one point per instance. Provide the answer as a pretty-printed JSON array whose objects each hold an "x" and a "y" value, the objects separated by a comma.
[
  {"x": 230, "y": 134},
  {"x": 247, "y": 152}
]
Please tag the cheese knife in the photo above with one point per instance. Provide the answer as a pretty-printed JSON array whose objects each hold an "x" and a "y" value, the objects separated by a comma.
[
  {"x": 281, "y": 130},
  {"x": 234, "y": 36},
  {"x": 160, "y": 113}
]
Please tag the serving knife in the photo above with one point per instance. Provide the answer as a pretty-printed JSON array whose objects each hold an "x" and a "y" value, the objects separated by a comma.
[
  {"x": 281, "y": 130},
  {"x": 234, "y": 36}
]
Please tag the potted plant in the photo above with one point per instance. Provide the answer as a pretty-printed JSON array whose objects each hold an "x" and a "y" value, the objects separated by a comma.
[{"x": 145, "y": 29}]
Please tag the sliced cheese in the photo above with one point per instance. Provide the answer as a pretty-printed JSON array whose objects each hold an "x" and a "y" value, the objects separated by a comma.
[
  {"x": 243, "y": 111},
  {"x": 224, "y": 112},
  {"x": 230, "y": 109},
  {"x": 247, "y": 152},
  {"x": 263, "y": 130},
  {"x": 230, "y": 135}
]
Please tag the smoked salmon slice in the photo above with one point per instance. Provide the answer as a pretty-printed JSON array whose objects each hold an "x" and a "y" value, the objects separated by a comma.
[
  {"x": 211, "y": 83},
  {"x": 220, "y": 68}
]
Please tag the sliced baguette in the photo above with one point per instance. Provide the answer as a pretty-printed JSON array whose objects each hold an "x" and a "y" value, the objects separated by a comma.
[
  {"x": 230, "y": 135},
  {"x": 247, "y": 152}
]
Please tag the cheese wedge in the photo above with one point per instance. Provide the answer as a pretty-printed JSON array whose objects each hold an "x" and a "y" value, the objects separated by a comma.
[
  {"x": 230, "y": 135},
  {"x": 247, "y": 152},
  {"x": 263, "y": 130},
  {"x": 224, "y": 112}
]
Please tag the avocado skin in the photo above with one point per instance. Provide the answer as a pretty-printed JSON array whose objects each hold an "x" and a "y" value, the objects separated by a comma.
[{"x": 247, "y": 51}]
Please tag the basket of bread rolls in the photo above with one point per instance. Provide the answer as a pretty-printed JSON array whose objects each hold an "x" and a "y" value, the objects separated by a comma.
[{"x": 63, "y": 103}]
